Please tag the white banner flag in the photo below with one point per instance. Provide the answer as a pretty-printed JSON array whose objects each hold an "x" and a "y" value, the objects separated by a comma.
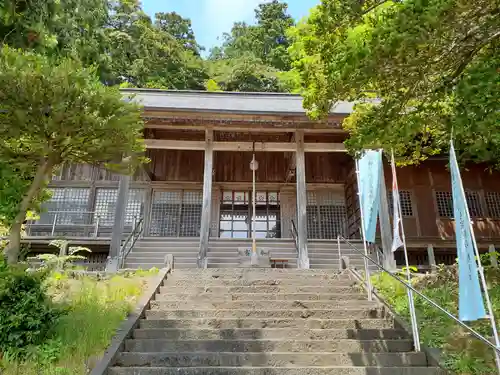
[{"x": 397, "y": 242}]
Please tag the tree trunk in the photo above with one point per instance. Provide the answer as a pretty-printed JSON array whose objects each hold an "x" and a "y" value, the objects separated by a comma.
[{"x": 13, "y": 248}]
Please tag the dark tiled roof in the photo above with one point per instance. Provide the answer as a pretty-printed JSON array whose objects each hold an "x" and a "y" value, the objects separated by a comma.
[{"x": 263, "y": 103}]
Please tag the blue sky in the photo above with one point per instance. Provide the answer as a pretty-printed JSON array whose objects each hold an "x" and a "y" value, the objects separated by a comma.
[{"x": 211, "y": 18}]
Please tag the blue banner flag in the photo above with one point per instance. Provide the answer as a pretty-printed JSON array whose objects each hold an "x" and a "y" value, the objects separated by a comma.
[
  {"x": 470, "y": 299},
  {"x": 369, "y": 173}
]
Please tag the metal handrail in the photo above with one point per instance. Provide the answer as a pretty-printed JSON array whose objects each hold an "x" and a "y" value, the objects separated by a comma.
[
  {"x": 93, "y": 218},
  {"x": 434, "y": 304},
  {"x": 295, "y": 236},
  {"x": 132, "y": 238}
]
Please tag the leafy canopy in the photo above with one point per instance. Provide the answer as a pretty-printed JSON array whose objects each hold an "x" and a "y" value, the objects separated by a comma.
[
  {"x": 60, "y": 113},
  {"x": 433, "y": 65}
]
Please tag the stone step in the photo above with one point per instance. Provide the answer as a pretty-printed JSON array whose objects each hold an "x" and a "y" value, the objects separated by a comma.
[
  {"x": 176, "y": 359},
  {"x": 265, "y": 346},
  {"x": 263, "y": 270},
  {"x": 260, "y": 281},
  {"x": 260, "y": 305},
  {"x": 271, "y": 275},
  {"x": 226, "y": 290},
  {"x": 268, "y": 333},
  {"x": 147, "y": 266},
  {"x": 210, "y": 297},
  {"x": 341, "y": 313},
  {"x": 332, "y": 370},
  {"x": 290, "y": 323}
]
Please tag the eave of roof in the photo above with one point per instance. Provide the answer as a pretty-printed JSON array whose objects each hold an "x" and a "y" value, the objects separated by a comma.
[{"x": 229, "y": 102}]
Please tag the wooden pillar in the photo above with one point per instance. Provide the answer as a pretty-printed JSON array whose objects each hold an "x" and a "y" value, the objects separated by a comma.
[
  {"x": 119, "y": 223},
  {"x": 432, "y": 258},
  {"x": 493, "y": 256},
  {"x": 303, "y": 261},
  {"x": 148, "y": 201},
  {"x": 389, "y": 262},
  {"x": 207, "y": 199}
]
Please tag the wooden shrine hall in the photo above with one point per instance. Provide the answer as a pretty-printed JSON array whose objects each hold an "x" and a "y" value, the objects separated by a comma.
[{"x": 198, "y": 184}]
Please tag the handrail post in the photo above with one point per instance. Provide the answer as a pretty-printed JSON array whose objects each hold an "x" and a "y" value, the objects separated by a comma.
[
  {"x": 54, "y": 224},
  {"x": 340, "y": 253}
]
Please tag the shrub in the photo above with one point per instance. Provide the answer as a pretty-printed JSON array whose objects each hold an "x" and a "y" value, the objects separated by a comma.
[{"x": 26, "y": 312}]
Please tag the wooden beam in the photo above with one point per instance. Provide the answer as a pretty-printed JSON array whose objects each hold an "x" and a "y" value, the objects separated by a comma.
[
  {"x": 169, "y": 144},
  {"x": 207, "y": 199},
  {"x": 241, "y": 128},
  {"x": 303, "y": 258}
]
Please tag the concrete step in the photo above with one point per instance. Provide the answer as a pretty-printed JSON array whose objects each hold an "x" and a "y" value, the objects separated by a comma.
[
  {"x": 176, "y": 359},
  {"x": 225, "y": 290},
  {"x": 265, "y": 346},
  {"x": 256, "y": 323},
  {"x": 341, "y": 313},
  {"x": 210, "y": 297},
  {"x": 268, "y": 333},
  {"x": 260, "y": 305},
  {"x": 331, "y": 370}
]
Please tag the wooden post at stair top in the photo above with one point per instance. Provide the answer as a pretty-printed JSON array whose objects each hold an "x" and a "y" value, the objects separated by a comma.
[
  {"x": 432, "y": 258},
  {"x": 207, "y": 199},
  {"x": 389, "y": 262},
  {"x": 303, "y": 258},
  {"x": 119, "y": 224}
]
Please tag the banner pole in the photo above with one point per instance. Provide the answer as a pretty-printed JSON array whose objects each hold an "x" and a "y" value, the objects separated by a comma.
[
  {"x": 367, "y": 271},
  {"x": 411, "y": 300},
  {"x": 481, "y": 271}
]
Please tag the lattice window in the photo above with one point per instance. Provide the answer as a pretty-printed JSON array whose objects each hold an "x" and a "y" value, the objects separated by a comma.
[
  {"x": 105, "y": 206},
  {"x": 326, "y": 215},
  {"x": 190, "y": 219},
  {"x": 135, "y": 206},
  {"x": 474, "y": 204},
  {"x": 70, "y": 204},
  {"x": 444, "y": 203},
  {"x": 405, "y": 201},
  {"x": 176, "y": 213},
  {"x": 444, "y": 200},
  {"x": 493, "y": 204}
]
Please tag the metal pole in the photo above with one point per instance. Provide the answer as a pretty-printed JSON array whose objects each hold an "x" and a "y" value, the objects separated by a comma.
[
  {"x": 411, "y": 300},
  {"x": 54, "y": 224},
  {"x": 340, "y": 253},
  {"x": 254, "y": 244},
  {"x": 367, "y": 271},
  {"x": 483, "y": 279}
]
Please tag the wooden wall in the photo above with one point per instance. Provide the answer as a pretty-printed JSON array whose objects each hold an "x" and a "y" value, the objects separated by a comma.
[{"x": 433, "y": 175}]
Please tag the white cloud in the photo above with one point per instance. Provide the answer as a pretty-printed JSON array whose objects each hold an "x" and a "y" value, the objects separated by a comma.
[{"x": 219, "y": 15}]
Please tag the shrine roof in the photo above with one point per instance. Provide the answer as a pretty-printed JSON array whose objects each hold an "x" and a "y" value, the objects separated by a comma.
[{"x": 231, "y": 102}]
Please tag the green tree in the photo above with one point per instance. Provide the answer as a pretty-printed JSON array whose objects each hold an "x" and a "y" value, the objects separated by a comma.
[
  {"x": 433, "y": 65},
  {"x": 267, "y": 40},
  {"x": 60, "y": 113},
  {"x": 245, "y": 73},
  {"x": 180, "y": 28}
]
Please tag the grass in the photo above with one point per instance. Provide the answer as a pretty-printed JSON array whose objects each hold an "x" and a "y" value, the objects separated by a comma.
[
  {"x": 95, "y": 309},
  {"x": 462, "y": 353}
]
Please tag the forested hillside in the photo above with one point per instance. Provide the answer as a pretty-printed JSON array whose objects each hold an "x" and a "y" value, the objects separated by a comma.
[{"x": 133, "y": 50}]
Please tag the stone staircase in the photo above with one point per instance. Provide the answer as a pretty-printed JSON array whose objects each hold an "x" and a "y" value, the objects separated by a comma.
[
  {"x": 266, "y": 322},
  {"x": 222, "y": 253}
]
